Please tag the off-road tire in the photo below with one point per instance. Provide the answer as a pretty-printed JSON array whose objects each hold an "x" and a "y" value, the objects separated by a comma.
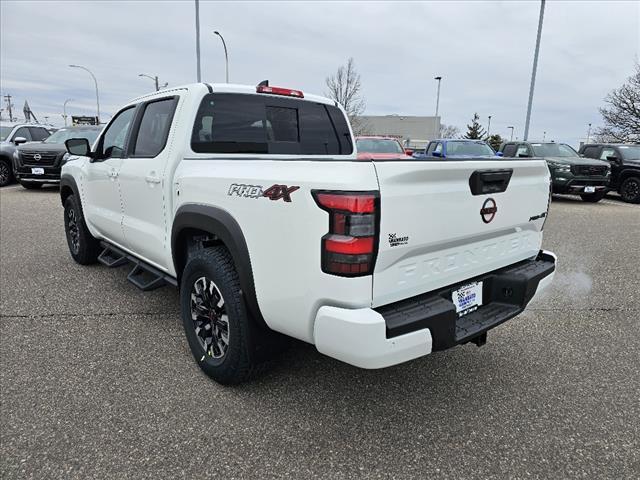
[
  {"x": 31, "y": 185},
  {"x": 238, "y": 363},
  {"x": 593, "y": 197},
  {"x": 84, "y": 248},
  {"x": 630, "y": 190}
]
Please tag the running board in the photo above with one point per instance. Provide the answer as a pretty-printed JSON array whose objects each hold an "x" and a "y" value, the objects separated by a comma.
[{"x": 142, "y": 275}]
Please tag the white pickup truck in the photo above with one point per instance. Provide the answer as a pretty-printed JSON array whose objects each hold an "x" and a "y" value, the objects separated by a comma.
[{"x": 253, "y": 202}]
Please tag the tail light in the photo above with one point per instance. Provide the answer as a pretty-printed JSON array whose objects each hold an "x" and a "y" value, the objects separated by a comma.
[{"x": 351, "y": 246}]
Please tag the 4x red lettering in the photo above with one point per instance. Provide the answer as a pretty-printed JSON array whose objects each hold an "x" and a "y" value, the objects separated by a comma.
[{"x": 276, "y": 192}]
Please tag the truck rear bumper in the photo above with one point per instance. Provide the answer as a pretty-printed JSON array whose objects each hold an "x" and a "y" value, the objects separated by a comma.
[{"x": 411, "y": 328}]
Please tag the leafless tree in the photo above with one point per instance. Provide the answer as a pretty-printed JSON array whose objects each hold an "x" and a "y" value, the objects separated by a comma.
[
  {"x": 449, "y": 131},
  {"x": 621, "y": 115},
  {"x": 345, "y": 88}
]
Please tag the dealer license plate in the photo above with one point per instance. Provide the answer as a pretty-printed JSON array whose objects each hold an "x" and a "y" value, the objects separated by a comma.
[
  {"x": 37, "y": 171},
  {"x": 467, "y": 298},
  {"x": 589, "y": 189}
]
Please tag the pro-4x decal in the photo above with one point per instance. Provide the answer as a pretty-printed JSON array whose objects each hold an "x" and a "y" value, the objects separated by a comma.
[{"x": 274, "y": 192}]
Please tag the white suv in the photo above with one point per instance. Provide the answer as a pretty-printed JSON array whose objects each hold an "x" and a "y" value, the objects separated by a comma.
[{"x": 252, "y": 201}]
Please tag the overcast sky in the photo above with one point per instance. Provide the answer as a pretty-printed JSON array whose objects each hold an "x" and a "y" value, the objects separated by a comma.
[{"x": 484, "y": 51}]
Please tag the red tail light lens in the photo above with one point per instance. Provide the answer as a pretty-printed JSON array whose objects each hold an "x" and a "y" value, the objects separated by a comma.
[
  {"x": 287, "y": 92},
  {"x": 350, "y": 247}
]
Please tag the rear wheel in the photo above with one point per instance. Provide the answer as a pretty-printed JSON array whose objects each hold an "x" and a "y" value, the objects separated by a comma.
[
  {"x": 630, "y": 190},
  {"x": 593, "y": 197},
  {"x": 31, "y": 185},
  {"x": 215, "y": 318},
  {"x": 6, "y": 173},
  {"x": 84, "y": 248}
]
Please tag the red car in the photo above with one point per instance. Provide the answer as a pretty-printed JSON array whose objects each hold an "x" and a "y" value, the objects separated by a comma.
[{"x": 381, "y": 148}]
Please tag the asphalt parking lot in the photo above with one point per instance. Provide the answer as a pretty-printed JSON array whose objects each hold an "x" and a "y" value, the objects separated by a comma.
[{"x": 97, "y": 381}]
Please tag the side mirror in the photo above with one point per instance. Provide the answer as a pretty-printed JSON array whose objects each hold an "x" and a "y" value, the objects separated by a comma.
[
  {"x": 408, "y": 151},
  {"x": 612, "y": 158},
  {"x": 499, "y": 154},
  {"x": 78, "y": 146},
  {"x": 436, "y": 154},
  {"x": 523, "y": 155},
  {"x": 19, "y": 140}
]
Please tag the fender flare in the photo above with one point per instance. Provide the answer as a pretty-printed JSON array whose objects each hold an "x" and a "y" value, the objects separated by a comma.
[
  {"x": 220, "y": 223},
  {"x": 628, "y": 172},
  {"x": 67, "y": 183}
]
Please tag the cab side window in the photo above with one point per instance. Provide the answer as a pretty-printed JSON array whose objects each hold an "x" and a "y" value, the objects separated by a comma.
[
  {"x": 607, "y": 152},
  {"x": 591, "y": 152},
  {"x": 22, "y": 132},
  {"x": 38, "y": 134},
  {"x": 151, "y": 137},
  {"x": 431, "y": 147},
  {"x": 510, "y": 150},
  {"x": 113, "y": 140},
  {"x": 523, "y": 151},
  {"x": 438, "y": 148}
]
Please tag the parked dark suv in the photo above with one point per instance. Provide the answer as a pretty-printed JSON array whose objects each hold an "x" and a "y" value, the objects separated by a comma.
[
  {"x": 35, "y": 164},
  {"x": 570, "y": 173},
  {"x": 625, "y": 167}
]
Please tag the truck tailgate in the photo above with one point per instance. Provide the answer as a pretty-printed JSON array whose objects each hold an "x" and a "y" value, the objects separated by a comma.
[{"x": 436, "y": 232}]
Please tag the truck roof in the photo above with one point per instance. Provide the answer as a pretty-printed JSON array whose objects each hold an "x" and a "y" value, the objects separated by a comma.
[{"x": 230, "y": 88}]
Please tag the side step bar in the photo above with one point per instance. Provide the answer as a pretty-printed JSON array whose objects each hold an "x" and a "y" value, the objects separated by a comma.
[{"x": 142, "y": 275}]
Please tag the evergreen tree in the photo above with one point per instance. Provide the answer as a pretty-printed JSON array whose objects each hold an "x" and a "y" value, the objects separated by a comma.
[
  {"x": 475, "y": 130},
  {"x": 495, "y": 141}
]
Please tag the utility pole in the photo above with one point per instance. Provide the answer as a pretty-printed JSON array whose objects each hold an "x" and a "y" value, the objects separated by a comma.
[
  {"x": 489, "y": 128},
  {"x": 511, "y": 133},
  {"x": 198, "y": 40},
  {"x": 589, "y": 133},
  {"x": 533, "y": 73},
  {"x": 544, "y": 136},
  {"x": 9, "y": 105}
]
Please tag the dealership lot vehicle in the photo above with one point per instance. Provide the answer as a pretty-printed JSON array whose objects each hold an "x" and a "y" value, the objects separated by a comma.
[
  {"x": 570, "y": 173},
  {"x": 625, "y": 167},
  {"x": 222, "y": 189},
  {"x": 36, "y": 164},
  {"x": 456, "y": 148},
  {"x": 12, "y": 135},
  {"x": 381, "y": 148},
  {"x": 104, "y": 369}
]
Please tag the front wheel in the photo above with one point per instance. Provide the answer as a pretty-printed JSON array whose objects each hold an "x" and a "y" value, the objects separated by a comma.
[
  {"x": 630, "y": 190},
  {"x": 6, "y": 173},
  {"x": 84, "y": 248},
  {"x": 593, "y": 197},
  {"x": 215, "y": 318}
]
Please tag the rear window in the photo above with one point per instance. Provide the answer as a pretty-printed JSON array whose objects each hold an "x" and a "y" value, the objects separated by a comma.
[
  {"x": 256, "y": 124},
  {"x": 469, "y": 149},
  {"x": 378, "y": 145}
]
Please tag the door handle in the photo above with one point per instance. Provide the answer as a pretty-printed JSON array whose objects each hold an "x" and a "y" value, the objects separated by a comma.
[{"x": 152, "y": 179}]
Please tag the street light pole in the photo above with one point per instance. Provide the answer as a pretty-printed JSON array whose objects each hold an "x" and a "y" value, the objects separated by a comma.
[
  {"x": 439, "y": 79},
  {"x": 489, "y": 128},
  {"x": 64, "y": 109},
  {"x": 96, "y": 84},
  {"x": 511, "y": 133},
  {"x": 589, "y": 133},
  {"x": 544, "y": 136},
  {"x": 226, "y": 56},
  {"x": 198, "y": 40},
  {"x": 155, "y": 80},
  {"x": 533, "y": 73}
]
